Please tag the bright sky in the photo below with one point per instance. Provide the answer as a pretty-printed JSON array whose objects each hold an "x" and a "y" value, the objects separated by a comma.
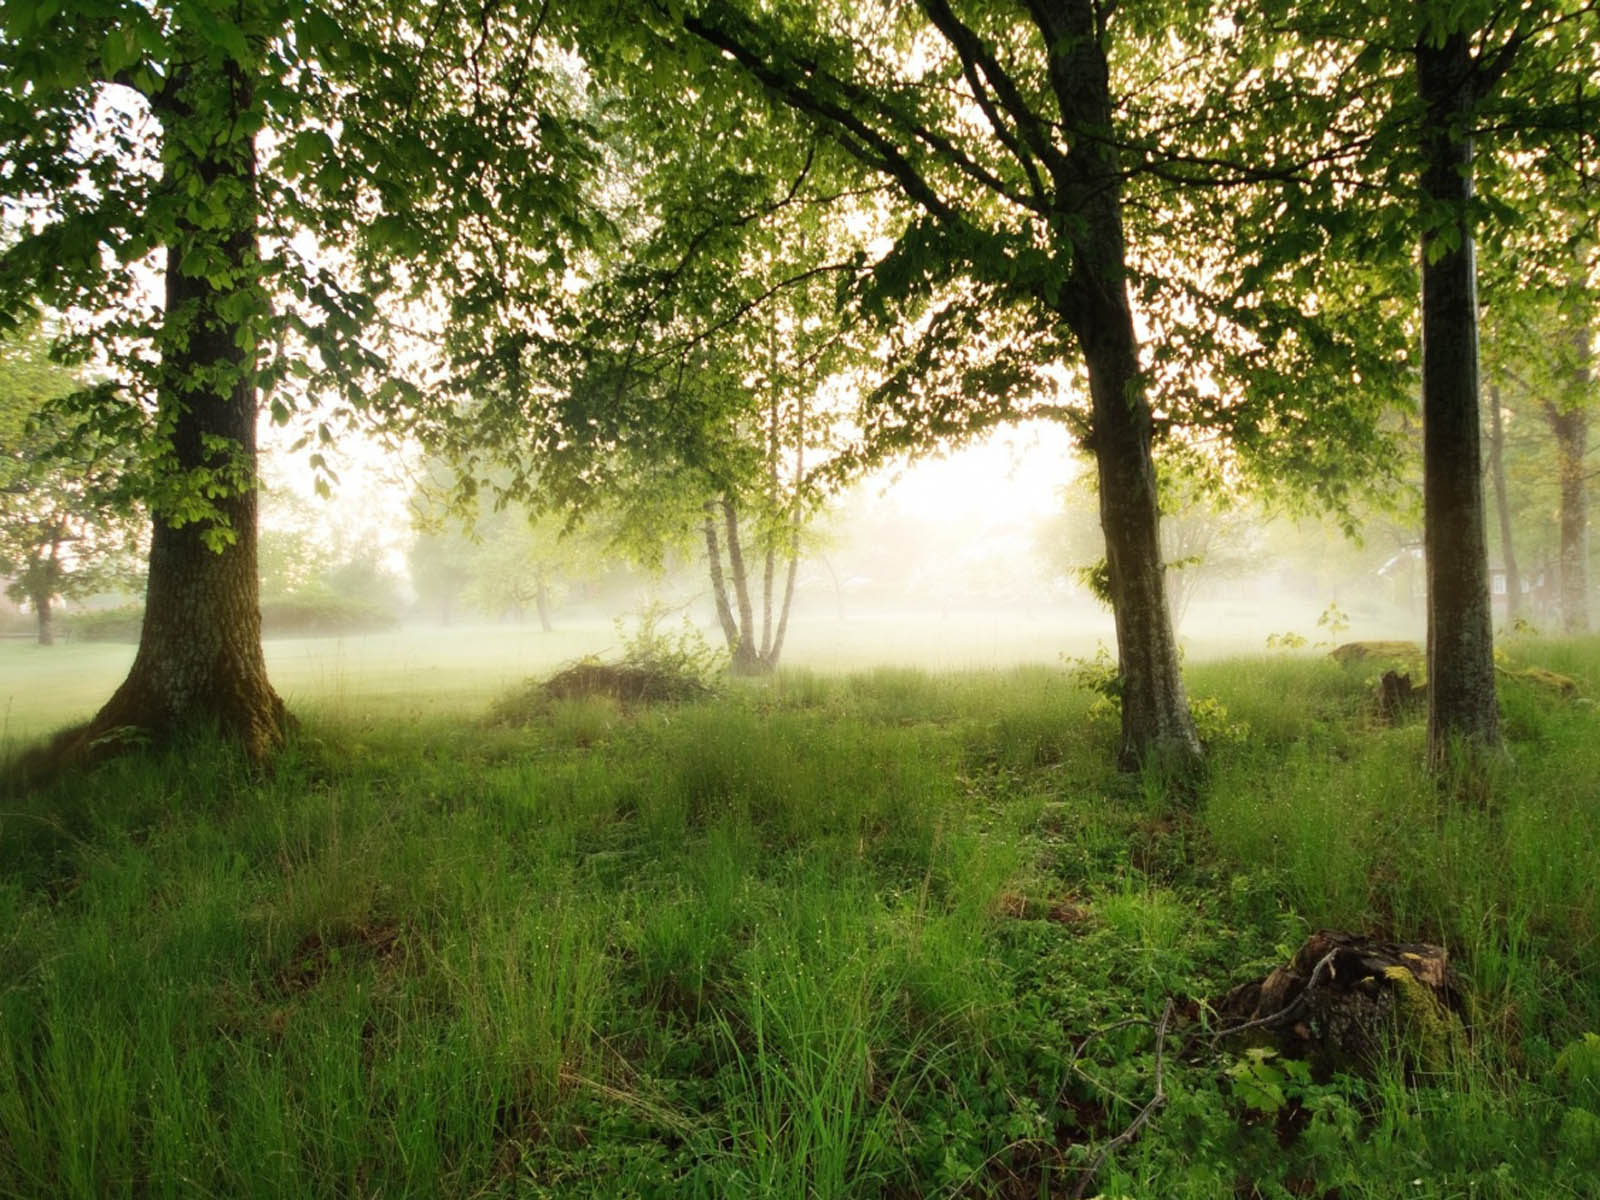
[
  {"x": 1014, "y": 474},
  {"x": 1006, "y": 481}
]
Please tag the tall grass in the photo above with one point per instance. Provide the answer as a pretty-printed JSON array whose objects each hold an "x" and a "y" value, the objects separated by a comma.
[{"x": 829, "y": 936}]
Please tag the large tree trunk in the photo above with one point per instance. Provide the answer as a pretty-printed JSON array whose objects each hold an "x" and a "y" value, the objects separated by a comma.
[
  {"x": 1155, "y": 712},
  {"x": 1502, "y": 503},
  {"x": 1461, "y": 692},
  {"x": 199, "y": 662}
]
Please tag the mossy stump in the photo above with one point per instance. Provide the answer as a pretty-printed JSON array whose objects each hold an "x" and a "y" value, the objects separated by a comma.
[
  {"x": 1407, "y": 655},
  {"x": 1346, "y": 1002}
]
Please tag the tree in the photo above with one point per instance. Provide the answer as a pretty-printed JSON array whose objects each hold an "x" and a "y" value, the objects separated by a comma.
[
  {"x": 1442, "y": 83},
  {"x": 1462, "y": 58},
  {"x": 135, "y": 138},
  {"x": 498, "y": 557},
  {"x": 66, "y": 528},
  {"x": 782, "y": 512},
  {"x": 1451, "y": 80},
  {"x": 1502, "y": 501},
  {"x": 1020, "y": 215},
  {"x": 1537, "y": 353},
  {"x": 680, "y": 397},
  {"x": 1041, "y": 162}
]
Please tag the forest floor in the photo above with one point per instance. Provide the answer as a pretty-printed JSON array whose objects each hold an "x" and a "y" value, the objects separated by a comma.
[{"x": 890, "y": 933}]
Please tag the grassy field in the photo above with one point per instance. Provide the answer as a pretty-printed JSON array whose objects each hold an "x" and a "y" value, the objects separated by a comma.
[
  {"x": 888, "y": 933},
  {"x": 425, "y": 671}
]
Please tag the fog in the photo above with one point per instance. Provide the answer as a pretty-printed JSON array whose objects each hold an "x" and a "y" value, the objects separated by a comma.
[{"x": 969, "y": 560}]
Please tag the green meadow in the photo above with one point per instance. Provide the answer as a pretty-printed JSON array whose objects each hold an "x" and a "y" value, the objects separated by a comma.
[{"x": 870, "y": 932}]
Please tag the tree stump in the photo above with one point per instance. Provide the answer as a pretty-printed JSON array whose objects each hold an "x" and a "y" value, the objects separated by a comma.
[
  {"x": 1345, "y": 1002},
  {"x": 1398, "y": 696}
]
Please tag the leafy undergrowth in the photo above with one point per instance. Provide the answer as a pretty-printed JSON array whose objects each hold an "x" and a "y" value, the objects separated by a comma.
[{"x": 890, "y": 934}]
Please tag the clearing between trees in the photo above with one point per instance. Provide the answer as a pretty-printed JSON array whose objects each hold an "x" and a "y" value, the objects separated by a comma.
[{"x": 882, "y": 934}]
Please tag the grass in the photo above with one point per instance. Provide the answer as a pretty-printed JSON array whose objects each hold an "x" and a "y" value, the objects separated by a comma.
[{"x": 829, "y": 935}]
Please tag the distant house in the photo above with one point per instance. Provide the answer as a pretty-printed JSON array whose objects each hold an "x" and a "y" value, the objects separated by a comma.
[
  {"x": 1541, "y": 598},
  {"x": 1541, "y": 595}
]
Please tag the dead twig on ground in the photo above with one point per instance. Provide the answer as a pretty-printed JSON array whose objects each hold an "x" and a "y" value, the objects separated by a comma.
[{"x": 1141, "y": 1119}]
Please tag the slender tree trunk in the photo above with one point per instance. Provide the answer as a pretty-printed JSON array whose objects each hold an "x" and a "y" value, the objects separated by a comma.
[
  {"x": 541, "y": 602},
  {"x": 199, "y": 662},
  {"x": 1497, "y": 474},
  {"x": 1571, "y": 430},
  {"x": 44, "y": 576},
  {"x": 1461, "y": 688},
  {"x": 1156, "y": 723},
  {"x": 719, "y": 583},
  {"x": 746, "y": 660},
  {"x": 838, "y": 589},
  {"x": 776, "y": 651},
  {"x": 770, "y": 569},
  {"x": 795, "y": 516}
]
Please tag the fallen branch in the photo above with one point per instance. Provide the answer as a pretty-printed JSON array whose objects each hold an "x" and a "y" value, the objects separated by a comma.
[
  {"x": 1140, "y": 1120},
  {"x": 1325, "y": 963}
]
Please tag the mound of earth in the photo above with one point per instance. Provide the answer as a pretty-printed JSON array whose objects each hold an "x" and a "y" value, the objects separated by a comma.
[
  {"x": 1563, "y": 685},
  {"x": 627, "y": 683},
  {"x": 1352, "y": 653}
]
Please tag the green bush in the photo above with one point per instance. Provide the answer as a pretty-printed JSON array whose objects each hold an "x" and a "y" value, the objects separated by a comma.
[
  {"x": 317, "y": 611},
  {"x": 106, "y": 625},
  {"x": 311, "y": 612}
]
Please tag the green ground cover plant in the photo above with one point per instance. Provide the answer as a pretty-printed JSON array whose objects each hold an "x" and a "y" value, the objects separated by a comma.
[{"x": 884, "y": 934}]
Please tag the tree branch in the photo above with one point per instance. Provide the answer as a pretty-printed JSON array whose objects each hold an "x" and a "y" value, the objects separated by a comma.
[{"x": 975, "y": 57}]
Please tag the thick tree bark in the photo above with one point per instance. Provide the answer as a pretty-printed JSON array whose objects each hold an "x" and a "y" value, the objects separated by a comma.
[
  {"x": 1156, "y": 723},
  {"x": 1502, "y": 503},
  {"x": 1461, "y": 686},
  {"x": 1155, "y": 711},
  {"x": 199, "y": 662}
]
